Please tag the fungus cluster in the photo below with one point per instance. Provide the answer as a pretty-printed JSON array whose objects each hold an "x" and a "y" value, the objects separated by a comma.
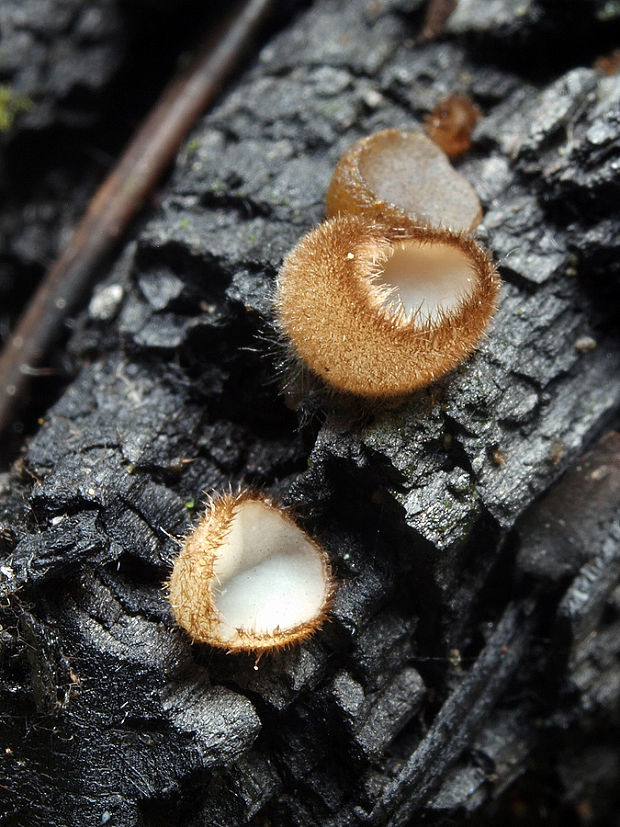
[
  {"x": 382, "y": 298},
  {"x": 248, "y": 578},
  {"x": 391, "y": 292}
]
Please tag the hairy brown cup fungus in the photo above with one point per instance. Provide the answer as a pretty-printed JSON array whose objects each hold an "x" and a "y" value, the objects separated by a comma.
[
  {"x": 379, "y": 310},
  {"x": 248, "y": 578},
  {"x": 394, "y": 174}
]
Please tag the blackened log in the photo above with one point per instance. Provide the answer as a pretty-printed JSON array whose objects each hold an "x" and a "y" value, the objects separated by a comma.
[{"x": 470, "y": 669}]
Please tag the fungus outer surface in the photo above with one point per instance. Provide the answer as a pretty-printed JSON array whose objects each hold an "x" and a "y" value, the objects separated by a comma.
[
  {"x": 380, "y": 311},
  {"x": 248, "y": 578},
  {"x": 393, "y": 174}
]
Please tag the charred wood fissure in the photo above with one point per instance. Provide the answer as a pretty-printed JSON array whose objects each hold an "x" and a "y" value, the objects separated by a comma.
[{"x": 470, "y": 669}]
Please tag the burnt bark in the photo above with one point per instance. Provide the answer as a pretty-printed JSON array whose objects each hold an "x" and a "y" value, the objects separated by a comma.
[{"x": 470, "y": 670}]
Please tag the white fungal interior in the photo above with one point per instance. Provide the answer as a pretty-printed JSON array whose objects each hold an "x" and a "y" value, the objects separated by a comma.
[
  {"x": 269, "y": 576},
  {"x": 426, "y": 280}
]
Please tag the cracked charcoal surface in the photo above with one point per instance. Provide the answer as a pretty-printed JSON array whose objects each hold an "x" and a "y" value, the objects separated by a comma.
[
  {"x": 72, "y": 89},
  {"x": 472, "y": 652}
]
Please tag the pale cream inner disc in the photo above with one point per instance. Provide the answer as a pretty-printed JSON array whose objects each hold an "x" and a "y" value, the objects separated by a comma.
[
  {"x": 428, "y": 279},
  {"x": 268, "y": 575}
]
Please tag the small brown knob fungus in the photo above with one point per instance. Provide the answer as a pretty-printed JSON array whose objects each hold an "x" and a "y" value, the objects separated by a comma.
[
  {"x": 248, "y": 578},
  {"x": 379, "y": 310},
  {"x": 394, "y": 174},
  {"x": 451, "y": 122}
]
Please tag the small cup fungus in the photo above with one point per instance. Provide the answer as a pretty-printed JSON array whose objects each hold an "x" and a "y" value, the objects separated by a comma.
[
  {"x": 248, "y": 578},
  {"x": 378, "y": 310},
  {"x": 393, "y": 174},
  {"x": 451, "y": 122}
]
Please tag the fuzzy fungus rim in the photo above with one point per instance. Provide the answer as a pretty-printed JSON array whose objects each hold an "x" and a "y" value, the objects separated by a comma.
[
  {"x": 370, "y": 330},
  {"x": 249, "y": 579}
]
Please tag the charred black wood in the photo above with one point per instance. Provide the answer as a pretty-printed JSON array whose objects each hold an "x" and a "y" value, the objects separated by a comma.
[{"x": 470, "y": 672}]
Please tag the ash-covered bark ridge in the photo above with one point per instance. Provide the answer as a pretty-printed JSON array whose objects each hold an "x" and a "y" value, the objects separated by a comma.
[{"x": 437, "y": 688}]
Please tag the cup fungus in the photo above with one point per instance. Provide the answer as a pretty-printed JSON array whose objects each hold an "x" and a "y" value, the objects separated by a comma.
[
  {"x": 248, "y": 578},
  {"x": 451, "y": 122},
  {"x": 378, "y": 310},
  {"x": 392, "y": 174}
]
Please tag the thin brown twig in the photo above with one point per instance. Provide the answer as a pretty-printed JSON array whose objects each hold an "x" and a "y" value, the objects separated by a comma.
[
  {"x": 118, "y": 200},
  {"x": 437, "y": 14}
]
